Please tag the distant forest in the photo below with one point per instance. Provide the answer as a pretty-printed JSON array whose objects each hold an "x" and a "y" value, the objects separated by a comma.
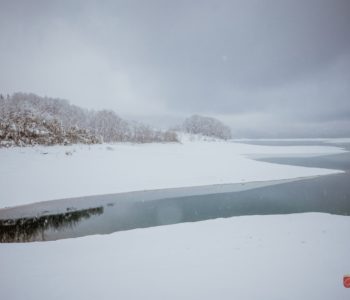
[{"x": 28, "y": 119}]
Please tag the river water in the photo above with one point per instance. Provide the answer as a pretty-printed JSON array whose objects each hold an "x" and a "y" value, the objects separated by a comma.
[{"x": 327, "y": 194}]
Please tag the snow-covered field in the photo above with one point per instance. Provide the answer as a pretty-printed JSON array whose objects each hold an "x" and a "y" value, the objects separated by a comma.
[
  {"x": 300, "y": 256},
  {"x": 45, "y": 173}
]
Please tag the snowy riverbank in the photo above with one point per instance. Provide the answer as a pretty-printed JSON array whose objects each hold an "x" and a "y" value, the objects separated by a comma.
[
  {"x": 300, "y": 256},
  {"x": 45, "y": 173}
]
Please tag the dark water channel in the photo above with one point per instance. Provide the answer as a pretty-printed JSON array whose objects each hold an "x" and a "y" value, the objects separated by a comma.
[{"x": 328, "y": 194}]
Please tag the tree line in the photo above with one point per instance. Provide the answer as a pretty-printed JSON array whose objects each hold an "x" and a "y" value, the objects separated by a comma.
[{"x": 28, "y": 119}]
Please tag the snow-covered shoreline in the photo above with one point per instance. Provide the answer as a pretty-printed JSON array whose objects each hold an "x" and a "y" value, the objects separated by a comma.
[
  {"x": 38, "y": 174},
  {"x": 80, "y": 203},
  {"x": 299, "y": 256}
]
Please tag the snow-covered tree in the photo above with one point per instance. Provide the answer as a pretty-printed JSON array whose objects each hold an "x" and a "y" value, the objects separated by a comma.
[
  {"x": 28, "y": 119},
  {"x": 207, "y": 126}
]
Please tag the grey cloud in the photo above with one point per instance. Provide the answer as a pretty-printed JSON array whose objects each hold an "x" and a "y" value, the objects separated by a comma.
[{"x": 286, "y": 61}]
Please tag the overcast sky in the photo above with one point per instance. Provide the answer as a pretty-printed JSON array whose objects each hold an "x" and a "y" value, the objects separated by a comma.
[{"x": 266, "y": 68}]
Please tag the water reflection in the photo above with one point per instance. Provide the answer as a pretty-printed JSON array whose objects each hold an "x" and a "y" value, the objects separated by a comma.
[
  {"x": 112, "y": 213},
  {"x": 30, "y": 229}
]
